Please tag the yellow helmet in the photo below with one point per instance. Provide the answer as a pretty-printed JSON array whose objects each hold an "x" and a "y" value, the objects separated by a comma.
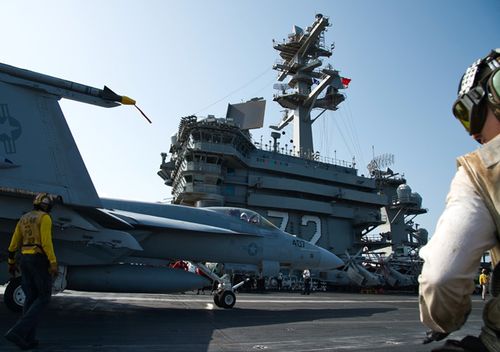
[{"x": 43, "y": 201}]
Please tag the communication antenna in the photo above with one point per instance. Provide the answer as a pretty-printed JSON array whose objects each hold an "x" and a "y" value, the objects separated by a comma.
[{"x": 380, "y": 162}]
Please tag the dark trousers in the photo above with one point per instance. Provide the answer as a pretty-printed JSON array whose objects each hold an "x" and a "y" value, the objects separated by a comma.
[
  {"x": 307, "y": 287},
  {"x": 37, "y": 286}
]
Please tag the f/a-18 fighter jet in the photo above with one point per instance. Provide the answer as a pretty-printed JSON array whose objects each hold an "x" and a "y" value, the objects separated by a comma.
[{"x": 110, "y": 245}]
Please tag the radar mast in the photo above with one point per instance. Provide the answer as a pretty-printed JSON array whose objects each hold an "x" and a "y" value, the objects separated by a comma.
[{"x": 300, "y": 61}]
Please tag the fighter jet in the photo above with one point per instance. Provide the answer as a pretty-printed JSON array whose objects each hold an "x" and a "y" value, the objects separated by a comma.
[{"x": 111, "y": 245}]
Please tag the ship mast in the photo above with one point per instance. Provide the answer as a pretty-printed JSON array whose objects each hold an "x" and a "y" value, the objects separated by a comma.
[{"x": 300, "y": 62}]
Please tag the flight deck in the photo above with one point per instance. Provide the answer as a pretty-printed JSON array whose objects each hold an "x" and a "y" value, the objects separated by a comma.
[{"x": 272, "y": 321}]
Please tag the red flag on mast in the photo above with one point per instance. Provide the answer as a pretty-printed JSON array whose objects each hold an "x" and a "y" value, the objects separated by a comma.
[{"x": 345, "y": 81}]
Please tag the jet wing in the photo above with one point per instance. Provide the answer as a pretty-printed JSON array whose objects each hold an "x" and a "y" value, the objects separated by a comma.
[
  {"x": 75, "y": 246},
  {"x": 104, "y": 237}
]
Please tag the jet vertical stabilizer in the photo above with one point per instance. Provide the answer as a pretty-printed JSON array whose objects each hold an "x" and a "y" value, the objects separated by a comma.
[
  {"x": 37, "y": 150},
  {"x": 40, "y": 149}
]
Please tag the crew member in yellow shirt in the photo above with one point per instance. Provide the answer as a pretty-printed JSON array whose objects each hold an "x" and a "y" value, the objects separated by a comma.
[
  {"x": 484, "y": 280},
  {"x": 38, "y": 264}
]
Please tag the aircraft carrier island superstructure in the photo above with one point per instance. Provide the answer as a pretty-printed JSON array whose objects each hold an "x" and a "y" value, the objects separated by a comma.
[{"x": 214, "y": 161}]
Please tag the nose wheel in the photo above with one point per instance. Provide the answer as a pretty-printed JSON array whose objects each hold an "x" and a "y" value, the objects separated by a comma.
[{"x": 225, "y": 299}]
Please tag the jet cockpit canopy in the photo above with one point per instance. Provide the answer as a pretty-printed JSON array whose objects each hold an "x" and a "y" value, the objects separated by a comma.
[{"x": 246, "y": 215}]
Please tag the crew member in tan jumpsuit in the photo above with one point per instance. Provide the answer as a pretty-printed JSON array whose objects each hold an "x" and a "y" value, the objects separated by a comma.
[{"x": 470, "y": 223}]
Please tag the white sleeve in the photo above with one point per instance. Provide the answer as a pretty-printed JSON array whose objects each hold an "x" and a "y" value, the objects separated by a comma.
[{"x": 464, "y": 232}]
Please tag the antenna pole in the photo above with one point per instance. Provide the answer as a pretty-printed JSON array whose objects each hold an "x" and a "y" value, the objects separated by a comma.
[{"x": 308, "y": 78}]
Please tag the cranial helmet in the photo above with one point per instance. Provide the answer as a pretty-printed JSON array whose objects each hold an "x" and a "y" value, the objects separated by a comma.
[
  {"x": 43, "y": 201},
  {"x": 479, "y": 88}
]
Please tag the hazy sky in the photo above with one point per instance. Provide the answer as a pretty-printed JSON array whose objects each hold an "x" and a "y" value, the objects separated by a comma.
[{"x": 182, "y": 57}]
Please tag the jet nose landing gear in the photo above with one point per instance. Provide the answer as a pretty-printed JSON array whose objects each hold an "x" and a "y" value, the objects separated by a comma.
[{"x": 224, "y": 299}]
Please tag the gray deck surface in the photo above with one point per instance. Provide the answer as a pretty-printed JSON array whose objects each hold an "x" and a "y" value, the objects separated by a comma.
[{"x": 274, "y": 321}]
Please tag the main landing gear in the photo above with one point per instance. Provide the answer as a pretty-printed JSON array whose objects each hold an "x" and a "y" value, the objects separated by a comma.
[{"x": 14, "y": 297}]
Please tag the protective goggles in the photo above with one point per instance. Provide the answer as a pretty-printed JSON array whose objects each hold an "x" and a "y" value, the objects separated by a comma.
[{"x": 470, "y": 107}]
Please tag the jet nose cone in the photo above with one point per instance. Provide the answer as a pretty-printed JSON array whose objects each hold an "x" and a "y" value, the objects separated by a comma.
[{"x": 328, "y": 260}]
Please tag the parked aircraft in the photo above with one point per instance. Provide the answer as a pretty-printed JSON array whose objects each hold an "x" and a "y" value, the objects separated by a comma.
[{"x": 114, "y": 245}]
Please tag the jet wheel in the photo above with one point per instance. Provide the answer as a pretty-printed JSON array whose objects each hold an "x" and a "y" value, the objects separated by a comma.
[
  {"x": 14, "y": 295},
  {"x": 227, "y": 299}
]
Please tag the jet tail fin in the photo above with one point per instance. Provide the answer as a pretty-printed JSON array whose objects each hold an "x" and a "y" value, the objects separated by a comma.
[{"x": 37, "y": 150}]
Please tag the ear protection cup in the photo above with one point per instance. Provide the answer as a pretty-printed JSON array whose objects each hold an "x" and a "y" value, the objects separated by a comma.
[
  {"x": 493, "y": 92},
  {"x": 479, "y": 88},
  {"x": 494, "y": 88}
]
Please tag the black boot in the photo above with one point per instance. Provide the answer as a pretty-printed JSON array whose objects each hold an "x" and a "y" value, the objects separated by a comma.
[{"x": 467, "y": 344}]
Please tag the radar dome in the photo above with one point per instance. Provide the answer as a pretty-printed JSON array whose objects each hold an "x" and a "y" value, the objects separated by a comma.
[
  {"x": 404, "y": 193},
  {"x": 417, "y": 199}
]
